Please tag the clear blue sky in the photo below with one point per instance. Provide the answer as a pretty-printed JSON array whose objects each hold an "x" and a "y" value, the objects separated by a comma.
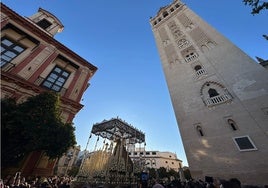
[{"x": 116, "y": 37}]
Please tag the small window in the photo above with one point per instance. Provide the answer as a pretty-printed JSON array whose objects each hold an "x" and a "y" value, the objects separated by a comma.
[
  {"x": 147, "y": 153},
  {"x": 232, "y": 124},
  {"x": 9, "y": 50},
  {"x": 177, "y": 5},
  {"x": 44, "y": 23},
  {"x": 197, "y": 67},
  {"x": 165, "y": 14},
  {"x": 135, "y": 153},
  {"x": 191, "y": 56},
  {"x": 172, "y": 162},
  {"x": 244, "y": 143},
  {"x": 141, "y": 153},
  {"x": 153, "y": 153},
  {"x": 172, "y": 9},
  {"x": 199, "y": 130},
  {"x": 166, "y": 162}
]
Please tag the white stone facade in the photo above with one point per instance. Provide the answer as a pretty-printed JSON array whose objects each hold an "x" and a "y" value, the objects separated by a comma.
[
  {"x": 157, "y": 159},
  {"x": 219, "y": 95}
]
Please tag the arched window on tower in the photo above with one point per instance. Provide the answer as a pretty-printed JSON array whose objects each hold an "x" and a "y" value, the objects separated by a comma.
[
  {"x": 191, "y": 56},
  {"x": 232, "y": 124},
  {"x": 199, "y": 70},
  {"x": 199, "y": 130},
  {"x": 197, "y": 67},
  {"x": 212, "y": 92}
]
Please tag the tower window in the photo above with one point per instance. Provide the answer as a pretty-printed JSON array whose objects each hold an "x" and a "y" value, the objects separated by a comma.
[
  {"x": 199, "y": 70},
  {"x": 244, "y": 143},
  {"x": 199, "y": 130},
  {"x": 212, "y": 92},
  {"x": 44, "y": 23},
  {"x": 56, "y": 79},
  {"x": 232, "y": 124},
  {"x": 177, "y": 5},
  {"x": 165, "y": 14},
  {"x": 9, "y": 50},
  {"x": 191, "y": 56},
  {"x": 197, "y": 67}
]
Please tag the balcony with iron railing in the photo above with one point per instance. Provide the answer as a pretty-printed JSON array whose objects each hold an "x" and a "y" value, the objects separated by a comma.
[
  {"x": 39, "y": 82},
  {"x": 191, "y": 57},
  {"x": 200, "y": 72},
  {"x": 219, "y": 99}
]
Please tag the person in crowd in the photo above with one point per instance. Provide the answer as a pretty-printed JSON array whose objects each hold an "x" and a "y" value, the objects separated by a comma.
[{"x": 157, "y": 184}]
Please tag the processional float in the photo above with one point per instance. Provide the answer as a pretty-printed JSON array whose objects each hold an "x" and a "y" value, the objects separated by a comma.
[{"x": 111, "y": 164}]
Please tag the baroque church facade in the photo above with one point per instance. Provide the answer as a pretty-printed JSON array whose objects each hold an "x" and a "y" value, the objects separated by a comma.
[
  {"x": 33, "y": 62},
  {"x": 219, "y": 95}
]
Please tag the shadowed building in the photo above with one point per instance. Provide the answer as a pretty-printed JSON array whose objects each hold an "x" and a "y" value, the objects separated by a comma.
[
  {"x": 219, "y": 95},
  {"x": 32, "y": 62}
]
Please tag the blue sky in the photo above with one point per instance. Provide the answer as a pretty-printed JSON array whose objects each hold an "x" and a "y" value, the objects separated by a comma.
[{"x": 116, "y": 37}]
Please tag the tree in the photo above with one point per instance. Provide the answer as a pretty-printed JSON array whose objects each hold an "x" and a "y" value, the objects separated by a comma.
[
  {"x": 256, "y": 5},
  {"x": 187, "y": 174},
  {"x": 173, "y": 173},
  {"x": 152, "y": 173},
  {"x": 162, "y": 172},
  {"x": 34, "y": 125}
]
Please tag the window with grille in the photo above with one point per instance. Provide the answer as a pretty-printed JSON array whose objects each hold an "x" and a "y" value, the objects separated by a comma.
[
  {"x": 9, "y": 50},
  {"x": 244, "y": 143},
  {"x": 56, "y": 79}
]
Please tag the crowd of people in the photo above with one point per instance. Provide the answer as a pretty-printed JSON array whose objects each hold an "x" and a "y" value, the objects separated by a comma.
[
  {"x": 66, "y": 182},
  {"x": 36, "y": 182},
  {"x": 212, "y": 183}
]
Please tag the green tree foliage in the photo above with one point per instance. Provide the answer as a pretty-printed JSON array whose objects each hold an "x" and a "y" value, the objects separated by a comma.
[
  {"x": 162, "y": 172},
  {"x": 34, "y": 125},
  {"x": 173, "y": 173},
  {"x": 152, "y": 172},
  {"x": 187, "y": 174},
  {"x": 256, "y": 5}
]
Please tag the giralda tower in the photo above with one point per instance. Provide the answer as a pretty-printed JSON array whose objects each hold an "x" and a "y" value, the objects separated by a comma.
[{"x": 219, "y": 95}]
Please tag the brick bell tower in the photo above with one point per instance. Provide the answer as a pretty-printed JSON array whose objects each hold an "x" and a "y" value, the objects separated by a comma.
[{"x": 219, "y": 95}]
